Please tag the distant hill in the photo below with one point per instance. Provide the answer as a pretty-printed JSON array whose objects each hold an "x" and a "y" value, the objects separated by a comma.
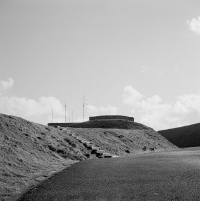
[{"x": 186, "y": 136}]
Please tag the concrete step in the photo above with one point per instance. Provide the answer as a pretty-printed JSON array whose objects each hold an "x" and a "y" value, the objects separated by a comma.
[
  {"x": 95, "y": 151},
  {"x": 102, "y": 154},
  {"x": 84, "y": 142},
  {"x": 87, "y": 143},
  {"x": 89, "y": 146},
  {"x": 107, "y": 155},
  {"x": 100, "y": 151},
  {"x": 95, "y": 148},
  {"x": 99, "y": 155}
]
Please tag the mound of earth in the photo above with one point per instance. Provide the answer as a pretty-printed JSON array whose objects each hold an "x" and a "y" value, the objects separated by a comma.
[
  {"x": 125, "y": 141},
  {"x": 30, "y": 152},
  {"x": 186, "y": 136},
  {"x": 117, "y": 124}
]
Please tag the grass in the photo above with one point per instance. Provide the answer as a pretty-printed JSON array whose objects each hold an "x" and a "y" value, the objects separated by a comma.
[{"x": 30, "y": 152}]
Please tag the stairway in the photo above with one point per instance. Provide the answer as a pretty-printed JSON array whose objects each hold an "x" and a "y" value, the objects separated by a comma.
[{"x": 94, "y": 150}]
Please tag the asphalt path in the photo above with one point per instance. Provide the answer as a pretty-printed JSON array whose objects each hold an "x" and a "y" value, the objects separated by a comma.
[{"x": 160, "y": 176}]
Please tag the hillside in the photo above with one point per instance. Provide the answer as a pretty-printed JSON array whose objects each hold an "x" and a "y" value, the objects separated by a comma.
[
  {"x": 117, "y": 124},
  {"x": 30, "y": 152},
  {"x": 186, "y": 136},
  {"x": 125, "y": 141}
]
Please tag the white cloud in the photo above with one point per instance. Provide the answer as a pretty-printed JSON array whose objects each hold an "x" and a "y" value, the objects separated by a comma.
[
  {"x": 131, "y": 96},
  {"x": 194, "y": 25},
  {"x": 158, "y": 114},
  {"x": 6, "y": 84},
  {"x": 34, "y": 110},
  {"x": 101, "y": 110},
  {"x": 31, "y": 109}
]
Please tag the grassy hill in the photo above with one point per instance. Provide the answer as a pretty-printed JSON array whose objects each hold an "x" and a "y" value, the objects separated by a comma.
[
  {"x": 186, "y": 136},
  {"x": 125, "y": 141},
  {"x": 30, "y": 152},
  {"x": 111, "y": 124}
]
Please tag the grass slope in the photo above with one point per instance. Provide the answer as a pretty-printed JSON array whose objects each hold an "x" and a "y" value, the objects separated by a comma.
[
  {"x": 186, "y": 136},
  {"x": 121, "y": 137},
  {"x": 117, "y": 124},
  {"x": 31, "y": 152},
  {"x": 125, "y": 141}
]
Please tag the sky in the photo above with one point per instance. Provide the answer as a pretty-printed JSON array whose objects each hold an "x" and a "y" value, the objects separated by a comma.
[{"x": 139, "y": 58}]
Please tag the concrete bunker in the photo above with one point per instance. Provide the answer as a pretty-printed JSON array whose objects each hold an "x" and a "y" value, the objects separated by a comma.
[{"x": 111, "y": 117}]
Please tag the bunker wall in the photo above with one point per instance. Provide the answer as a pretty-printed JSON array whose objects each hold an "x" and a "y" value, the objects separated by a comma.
[{"x": 106, "y": 117}]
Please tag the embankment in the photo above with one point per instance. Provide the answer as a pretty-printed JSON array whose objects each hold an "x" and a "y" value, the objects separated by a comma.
[{"x": 30, "y": 152}]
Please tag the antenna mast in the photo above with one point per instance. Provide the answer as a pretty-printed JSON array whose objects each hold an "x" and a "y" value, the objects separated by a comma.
[
  {"x": 83, "y": 106},
  {"x": 52, "y": 115},
  {"x": 65, "y": 110}
]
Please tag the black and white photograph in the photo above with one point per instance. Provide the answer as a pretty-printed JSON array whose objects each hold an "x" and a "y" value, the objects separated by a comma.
[{"x": 99, "y": 100}]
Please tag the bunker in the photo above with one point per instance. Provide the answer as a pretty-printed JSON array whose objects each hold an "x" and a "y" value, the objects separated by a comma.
[{"x": 111, "y": 117}]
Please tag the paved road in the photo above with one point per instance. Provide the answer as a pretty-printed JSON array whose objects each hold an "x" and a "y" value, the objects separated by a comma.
[{"x": 164, "y": 176}]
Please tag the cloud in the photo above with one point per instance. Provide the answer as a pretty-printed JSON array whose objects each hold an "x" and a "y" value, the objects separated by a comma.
[
  {"x": 31, "y": 109},
  {"x": 6, "y": 84},
  {"x": 101, "y": 110},
  {"x": 194, "y": 25},
  {"x": 131, "y": 96},
  {"x": 34, "y": 110},
  {"x": 158, "y": 114}
]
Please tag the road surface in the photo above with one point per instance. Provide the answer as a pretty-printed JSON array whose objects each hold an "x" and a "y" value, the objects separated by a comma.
[{"x": 162, "y": 176}]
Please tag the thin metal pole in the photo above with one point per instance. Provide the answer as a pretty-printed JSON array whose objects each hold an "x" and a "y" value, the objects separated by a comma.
[
  {"x": 83, "y": 106},
  {"x": 52, "y": 115},
  {"x": 72, "y": 116},
  {"x": 65, "y": 111}
]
